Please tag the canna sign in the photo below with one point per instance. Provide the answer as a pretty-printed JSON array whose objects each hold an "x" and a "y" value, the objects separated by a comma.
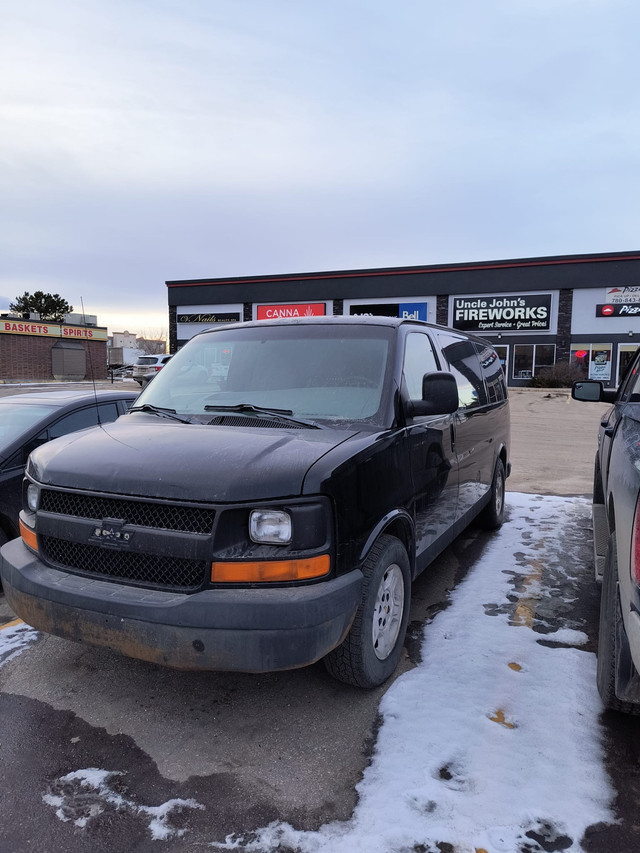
[{"x": 281, "y": 312}]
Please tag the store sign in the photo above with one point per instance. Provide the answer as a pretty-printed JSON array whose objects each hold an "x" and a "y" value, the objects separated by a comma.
[
  {"x": 618, "y": 295},
  {"x": 600, "y": 364},
  {"x": 618, "y": 309},
  {"x": 529, "y": 313},
  {"x": 282, "y": 312},
  {"x": 404, "y": 310},
  {"x": 51, "y": 330},
  {"x": 209, "y": 317}
]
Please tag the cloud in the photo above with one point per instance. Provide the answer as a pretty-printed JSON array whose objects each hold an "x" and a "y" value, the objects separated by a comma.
[{"x": 156, "y": 140}]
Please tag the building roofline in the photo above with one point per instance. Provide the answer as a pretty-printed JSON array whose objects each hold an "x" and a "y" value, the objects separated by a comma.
[{"x": 553, "y": 260}]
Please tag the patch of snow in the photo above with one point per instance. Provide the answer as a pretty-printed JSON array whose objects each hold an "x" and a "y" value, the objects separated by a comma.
[
  {"x": 84, "y": 794},
  {"x": 14, "y": 639},
  {"x": 566, "y": 636},
  {"x": 493, "y": 740}
]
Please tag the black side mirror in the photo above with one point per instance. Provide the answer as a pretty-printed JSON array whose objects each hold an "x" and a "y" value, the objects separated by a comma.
[
  {"x": 439, "y": 396},
  {"x": 592, "y": 391}
]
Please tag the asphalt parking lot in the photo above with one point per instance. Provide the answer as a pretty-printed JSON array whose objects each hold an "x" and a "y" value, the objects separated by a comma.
[
  {"x": 291, "y": 746},
  {"x": 553, "y": 442}
]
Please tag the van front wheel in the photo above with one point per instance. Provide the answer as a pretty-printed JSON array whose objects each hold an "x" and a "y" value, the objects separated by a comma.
[{"x": 371, "y": 650}]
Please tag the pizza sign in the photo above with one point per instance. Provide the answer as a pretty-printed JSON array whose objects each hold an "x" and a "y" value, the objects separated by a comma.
[
  {"x": 618, "y": 309},
  {"x": 623, "y": 295}
]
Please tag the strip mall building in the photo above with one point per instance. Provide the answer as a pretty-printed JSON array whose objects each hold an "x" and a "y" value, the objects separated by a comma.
[
  {"x": 34, "y": 350},
  {"x": 583, "y": 309}
]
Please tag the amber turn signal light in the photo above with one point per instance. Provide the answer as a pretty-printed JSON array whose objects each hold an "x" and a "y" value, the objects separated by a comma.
[
  {"x": 270, "y": 570},
  {"x": 28, "y": 536}
]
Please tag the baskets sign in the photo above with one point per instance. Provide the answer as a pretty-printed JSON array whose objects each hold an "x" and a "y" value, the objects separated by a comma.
[
  {"x": 531, "y": 313},
  {"x": 51, "y": 330}
]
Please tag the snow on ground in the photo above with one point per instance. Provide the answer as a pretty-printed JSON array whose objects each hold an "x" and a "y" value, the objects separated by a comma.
[
  {"x": 14, "y": 639},
  {"x": 490, "y": 744},
  {"x": 84, "y": 794},
  {"x": 494, "y": 735}
]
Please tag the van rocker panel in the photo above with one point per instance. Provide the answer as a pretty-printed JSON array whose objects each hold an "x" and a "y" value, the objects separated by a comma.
[{"x": 244, "y": 630}]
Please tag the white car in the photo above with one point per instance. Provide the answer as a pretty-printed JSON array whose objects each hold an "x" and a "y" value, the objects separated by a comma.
[{"x": 148, "y": 364}]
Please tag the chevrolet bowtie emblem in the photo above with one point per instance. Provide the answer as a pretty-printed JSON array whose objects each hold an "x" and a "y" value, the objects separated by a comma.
[{"x": 111, "y": 532}]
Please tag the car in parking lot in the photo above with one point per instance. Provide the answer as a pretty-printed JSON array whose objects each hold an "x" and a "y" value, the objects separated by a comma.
[
  {"x": 616, "y": 535},
  {"x": 31, "y": 419},
  {"x": 269, "y": 499},
  {"x": 147, "y": 366}
]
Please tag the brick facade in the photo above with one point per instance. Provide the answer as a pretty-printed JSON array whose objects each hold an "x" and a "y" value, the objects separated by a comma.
[{"x": 27, "y": 358}]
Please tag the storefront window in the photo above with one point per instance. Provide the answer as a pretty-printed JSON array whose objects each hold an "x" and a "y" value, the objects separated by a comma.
[
  {"x": 594, "y": 360},
  {"x": 626, "y": 353},
  {"x": 530, "y": 358},
  {"x": 545, "y": 356},
  {"x": 502, "y": 351},
  {"x": 523, "y": 361}
]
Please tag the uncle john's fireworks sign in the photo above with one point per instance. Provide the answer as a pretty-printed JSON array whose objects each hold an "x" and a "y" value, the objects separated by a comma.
[{"x": 528, "y": 313}]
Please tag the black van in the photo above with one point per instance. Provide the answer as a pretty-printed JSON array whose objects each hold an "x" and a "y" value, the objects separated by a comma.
[{"x": 269, "y": 498}]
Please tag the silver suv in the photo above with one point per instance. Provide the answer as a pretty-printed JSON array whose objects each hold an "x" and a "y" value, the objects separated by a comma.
[
  {"x": 616, "y": 538},
  {"x": 148, "y": 364}
]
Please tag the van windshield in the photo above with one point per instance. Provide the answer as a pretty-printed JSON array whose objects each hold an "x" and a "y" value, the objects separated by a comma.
[{"x": 316, "y": 373}]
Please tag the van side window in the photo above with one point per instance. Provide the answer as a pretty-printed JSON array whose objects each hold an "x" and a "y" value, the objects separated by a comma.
[
  {"x": 493, "y": 373},
  {"x": 418, "y": 360},
  {"x": 629, "y": 390},
  {"x": 632, "y": 389},
  {"x": 464, "y": 363}
]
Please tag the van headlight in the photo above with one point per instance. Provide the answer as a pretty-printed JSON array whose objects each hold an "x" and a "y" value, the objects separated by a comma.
[
  {"x": 270, "y": 527},
  {"x": 33, "y": 494}
]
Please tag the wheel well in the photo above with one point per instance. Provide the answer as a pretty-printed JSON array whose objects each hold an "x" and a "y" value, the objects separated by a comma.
[{"x": 402, "y": 531}]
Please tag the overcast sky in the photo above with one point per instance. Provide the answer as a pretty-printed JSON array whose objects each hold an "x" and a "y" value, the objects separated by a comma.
[{"x": 146, "y": 140}]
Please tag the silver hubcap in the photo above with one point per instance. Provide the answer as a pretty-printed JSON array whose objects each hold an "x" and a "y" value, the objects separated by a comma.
[
  {"x": 387, "y": 613},
  {"x": 499, "y": 494}
]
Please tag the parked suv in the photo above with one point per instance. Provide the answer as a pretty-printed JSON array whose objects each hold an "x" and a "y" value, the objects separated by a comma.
[
  {"x": 148, "y": 365},
  {"x": 616, "y": 537},
  {"x": 269, "y": 499}
]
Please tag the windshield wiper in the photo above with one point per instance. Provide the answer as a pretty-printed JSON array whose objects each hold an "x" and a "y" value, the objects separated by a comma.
[
  {"x": 161, "y": 412},
  {"x": 249, "y": 408}
]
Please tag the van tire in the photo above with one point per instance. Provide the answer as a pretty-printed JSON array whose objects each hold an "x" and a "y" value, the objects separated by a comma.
[
  {"x": 610, "y": 626},
  {"x": 370, "y": 653},
  {"x": 492, "y": 515}
]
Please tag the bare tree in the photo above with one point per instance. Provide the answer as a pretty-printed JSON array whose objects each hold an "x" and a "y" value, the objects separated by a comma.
[{"x": 153, "y": 341}]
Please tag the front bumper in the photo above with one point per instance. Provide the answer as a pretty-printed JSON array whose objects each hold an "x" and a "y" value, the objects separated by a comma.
[{"x": 245, "y": 630}]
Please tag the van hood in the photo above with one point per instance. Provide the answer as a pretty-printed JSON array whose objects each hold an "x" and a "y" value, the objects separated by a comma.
[{"x": 163, "y": 459}]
